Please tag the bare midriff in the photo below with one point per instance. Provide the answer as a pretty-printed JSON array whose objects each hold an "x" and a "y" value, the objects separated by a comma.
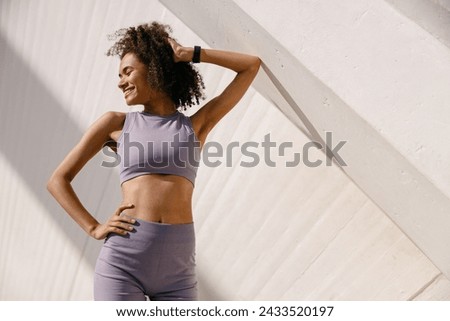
[{"x": 161, "y": 198}]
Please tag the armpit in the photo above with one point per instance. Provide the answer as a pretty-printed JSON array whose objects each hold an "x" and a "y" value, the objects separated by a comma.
[{"x": 111, "y": 144}]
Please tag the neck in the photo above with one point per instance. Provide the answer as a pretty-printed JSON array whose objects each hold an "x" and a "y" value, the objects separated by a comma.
[{"x": 160, "y": 105}]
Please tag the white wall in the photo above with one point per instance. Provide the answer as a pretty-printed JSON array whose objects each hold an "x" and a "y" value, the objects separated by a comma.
[
  {"x": 267, "y": 233},
  {"x": 371, "y": 76}
]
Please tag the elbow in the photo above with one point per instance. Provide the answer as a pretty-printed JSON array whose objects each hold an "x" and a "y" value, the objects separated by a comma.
[
  {"x": 50, "y": 184},
  {"x": 256, "y": 63},
  {"x": 251, "y": 65},
  {"x": 53, "y": 182}
]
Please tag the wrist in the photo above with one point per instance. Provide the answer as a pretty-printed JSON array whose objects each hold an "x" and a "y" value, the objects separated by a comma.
[
  {"x": 91, "y": 229},
  {"x": 196, "y": 55}
]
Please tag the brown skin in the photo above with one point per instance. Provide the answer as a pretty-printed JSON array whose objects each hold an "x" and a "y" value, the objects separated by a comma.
[{"x": 157, "y": 197}]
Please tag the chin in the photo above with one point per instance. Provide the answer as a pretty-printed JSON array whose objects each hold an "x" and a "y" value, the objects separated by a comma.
[
  {"x": 130, "y": 102},
  {"x": 133, "y": 99}
]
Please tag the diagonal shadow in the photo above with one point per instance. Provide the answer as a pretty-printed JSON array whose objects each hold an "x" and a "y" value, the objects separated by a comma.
[
  {"x": 36, "y": 135},
  {"x": 313, "y": 134}
]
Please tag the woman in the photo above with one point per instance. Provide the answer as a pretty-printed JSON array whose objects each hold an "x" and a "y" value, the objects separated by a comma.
[{"x": 149, "y": 242}]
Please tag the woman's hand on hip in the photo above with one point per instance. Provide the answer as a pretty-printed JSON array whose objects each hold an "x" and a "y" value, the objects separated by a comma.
[{"x": 115, "y": 224}]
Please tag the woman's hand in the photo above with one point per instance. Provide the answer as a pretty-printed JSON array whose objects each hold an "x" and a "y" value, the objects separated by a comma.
[
  {"x": 181, "y": 53},
  {"x": 116, "y": 223}
]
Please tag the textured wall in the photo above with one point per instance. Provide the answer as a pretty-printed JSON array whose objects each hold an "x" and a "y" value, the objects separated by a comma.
[
  {"x": 265, "y": 233},
  {"x": 371, "y": 76}
]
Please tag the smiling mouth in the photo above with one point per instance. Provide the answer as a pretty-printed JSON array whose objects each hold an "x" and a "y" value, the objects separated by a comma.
[{"x": 128, "y": 91}]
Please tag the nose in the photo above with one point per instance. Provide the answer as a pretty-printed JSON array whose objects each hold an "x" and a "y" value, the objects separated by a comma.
[{"x": 121, "y": 84}]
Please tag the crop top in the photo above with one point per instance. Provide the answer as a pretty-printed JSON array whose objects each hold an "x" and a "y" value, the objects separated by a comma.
[{"x": 151, "y": 143}]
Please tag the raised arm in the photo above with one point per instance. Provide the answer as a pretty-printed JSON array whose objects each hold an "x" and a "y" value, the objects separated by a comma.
[
  {"x": 59, "y": 183},
  {"x": 246, "y": 67}
]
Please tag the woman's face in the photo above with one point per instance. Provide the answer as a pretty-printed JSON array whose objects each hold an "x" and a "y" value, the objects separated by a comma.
[{"x": 133, "y": 80}]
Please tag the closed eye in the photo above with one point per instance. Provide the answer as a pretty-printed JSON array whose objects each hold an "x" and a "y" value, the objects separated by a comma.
[{"x": 127, "y": 71}]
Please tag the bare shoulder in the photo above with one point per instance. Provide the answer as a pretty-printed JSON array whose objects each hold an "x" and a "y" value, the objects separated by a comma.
[
  {"x": 114, "y": 119},
  {"x": 112, "y": 122},
  {"x": 114, "y": 114}
]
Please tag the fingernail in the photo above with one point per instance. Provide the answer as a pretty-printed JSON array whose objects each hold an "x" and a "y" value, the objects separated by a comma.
[{"x": 133, "y": 221}]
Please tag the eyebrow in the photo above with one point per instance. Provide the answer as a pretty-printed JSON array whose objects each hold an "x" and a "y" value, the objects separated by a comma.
[{"x": 124, "y": 70}]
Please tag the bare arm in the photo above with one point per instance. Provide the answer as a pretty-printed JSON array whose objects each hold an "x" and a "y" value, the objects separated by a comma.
[
  {"x": 246, "y": 67},
  {"x": 59, "y": 184}
]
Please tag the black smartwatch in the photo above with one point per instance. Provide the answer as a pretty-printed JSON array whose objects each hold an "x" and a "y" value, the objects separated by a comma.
[{"x": 196, "y": 56}]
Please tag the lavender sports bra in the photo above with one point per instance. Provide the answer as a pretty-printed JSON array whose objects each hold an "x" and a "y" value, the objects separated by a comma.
[{"x": 151, "y": 143}]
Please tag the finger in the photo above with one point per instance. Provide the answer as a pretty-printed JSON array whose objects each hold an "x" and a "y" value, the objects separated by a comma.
[
  {"x": 122, "y": 226},
  {"x": 123, "y": 207},
  {"x": 120, "y": 220},
  {"x": 117, "y": 230},
  {"x": 127, "y": 219},
  {"x": 172, "y": 43},
  {"x": 118, "y": 227},
  {"x": 123, "y": 218}
]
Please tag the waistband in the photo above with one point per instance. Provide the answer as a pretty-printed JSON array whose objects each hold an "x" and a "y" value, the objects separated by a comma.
[{"x": 180, "y": 231}]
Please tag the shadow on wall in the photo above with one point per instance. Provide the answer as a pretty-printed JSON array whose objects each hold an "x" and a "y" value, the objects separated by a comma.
[
  {"x": 312, "y": 133},
  {"x": 37, "y": 133},
  {"x": 34, "y": 128}
]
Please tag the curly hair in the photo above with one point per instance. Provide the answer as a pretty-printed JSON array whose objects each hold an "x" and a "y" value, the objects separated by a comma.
[{"x": 149, "y": 42}]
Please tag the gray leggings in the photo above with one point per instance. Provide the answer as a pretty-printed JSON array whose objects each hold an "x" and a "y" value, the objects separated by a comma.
[{"x": 155, "y": 260}]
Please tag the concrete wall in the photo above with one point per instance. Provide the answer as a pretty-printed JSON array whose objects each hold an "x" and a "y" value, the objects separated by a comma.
[
  {"x": 267, "y": 233},
  {"x": 369, "y": 75}
]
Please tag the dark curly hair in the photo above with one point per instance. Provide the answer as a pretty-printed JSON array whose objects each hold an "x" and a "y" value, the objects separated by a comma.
[{"x": 149, "y": 42}]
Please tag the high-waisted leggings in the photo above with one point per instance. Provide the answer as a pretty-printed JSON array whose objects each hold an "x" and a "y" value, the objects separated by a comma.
[{"x": 155, "y": 260}]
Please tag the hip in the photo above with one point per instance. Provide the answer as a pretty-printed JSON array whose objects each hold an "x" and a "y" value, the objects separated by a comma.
[{"x": 150, "y": 239}]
